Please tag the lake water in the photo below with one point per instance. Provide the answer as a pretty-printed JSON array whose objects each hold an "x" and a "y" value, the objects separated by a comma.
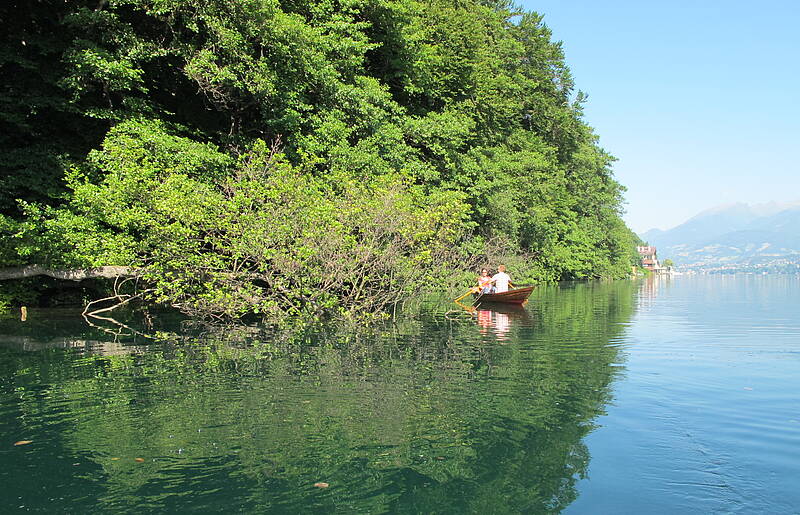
[{"x": 659, "y": 396}]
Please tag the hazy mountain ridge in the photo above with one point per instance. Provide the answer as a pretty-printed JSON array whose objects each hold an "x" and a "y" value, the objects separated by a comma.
[{"x": 737, "y": 236}]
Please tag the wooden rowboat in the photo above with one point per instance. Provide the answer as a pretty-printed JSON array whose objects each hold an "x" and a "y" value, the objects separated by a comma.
[{"x": 517, "y": 296}]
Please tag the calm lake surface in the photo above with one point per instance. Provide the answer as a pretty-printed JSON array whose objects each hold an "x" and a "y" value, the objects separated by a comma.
[{"x": 673, "y": 395}]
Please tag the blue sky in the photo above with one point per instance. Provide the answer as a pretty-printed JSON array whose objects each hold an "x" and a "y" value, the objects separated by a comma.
[{"x": 699, "y": 101}]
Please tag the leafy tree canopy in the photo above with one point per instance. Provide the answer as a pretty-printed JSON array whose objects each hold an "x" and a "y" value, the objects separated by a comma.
[{"x": 285, "y": 155}]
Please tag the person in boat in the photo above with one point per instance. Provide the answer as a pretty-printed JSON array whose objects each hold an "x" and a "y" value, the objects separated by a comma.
[
  {"x": 501, "y": 280},
  {"x": 485, "y": 282}
]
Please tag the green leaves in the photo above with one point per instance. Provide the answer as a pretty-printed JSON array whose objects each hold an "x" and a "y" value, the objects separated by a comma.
[
  {"x": 218, "y": 238},
  {"x": 287, "y": 157}
]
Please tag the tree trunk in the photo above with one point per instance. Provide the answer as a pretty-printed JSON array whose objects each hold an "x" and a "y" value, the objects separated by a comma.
[{"x": 77, "y": 274}]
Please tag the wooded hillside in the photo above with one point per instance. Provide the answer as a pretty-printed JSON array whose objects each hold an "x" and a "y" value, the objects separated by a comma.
[{"x": 297, "y": 156}]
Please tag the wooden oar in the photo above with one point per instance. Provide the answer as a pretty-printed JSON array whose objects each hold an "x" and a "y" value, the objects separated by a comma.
[{"x": 471, "y": 290}]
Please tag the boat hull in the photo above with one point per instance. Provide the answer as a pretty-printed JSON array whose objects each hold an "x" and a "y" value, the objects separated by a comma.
[{"x": 517, "y": 296}]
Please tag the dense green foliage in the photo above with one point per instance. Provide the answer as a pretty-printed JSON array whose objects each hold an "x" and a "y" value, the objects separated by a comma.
[{"x": 283, "y": 156}]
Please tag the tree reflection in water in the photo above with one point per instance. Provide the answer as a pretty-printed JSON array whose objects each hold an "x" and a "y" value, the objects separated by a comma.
[{"x": 423, "y": 416}]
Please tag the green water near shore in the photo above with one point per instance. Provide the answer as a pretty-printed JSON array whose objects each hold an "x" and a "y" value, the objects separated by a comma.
[{"x": 553, "y": 407}]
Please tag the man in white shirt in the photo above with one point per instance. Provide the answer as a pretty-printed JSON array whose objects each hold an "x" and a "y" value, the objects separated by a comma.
[{"x": 501, "y": 280}]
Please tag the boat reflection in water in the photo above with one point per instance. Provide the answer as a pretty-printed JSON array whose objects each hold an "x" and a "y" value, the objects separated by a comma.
[{"x": 498, "y": 319}]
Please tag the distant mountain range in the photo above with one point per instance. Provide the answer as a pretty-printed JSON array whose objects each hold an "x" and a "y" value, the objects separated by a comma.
[{"x": 735, "y": 237}]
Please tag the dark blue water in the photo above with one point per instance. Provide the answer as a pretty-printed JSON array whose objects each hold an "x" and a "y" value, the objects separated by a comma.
[{"x": 661, "y": 396}]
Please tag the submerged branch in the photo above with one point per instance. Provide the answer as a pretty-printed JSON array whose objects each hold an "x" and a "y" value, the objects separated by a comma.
[
  {"x": 123, "y": 299},
  {"x": 119, "y": 332}
]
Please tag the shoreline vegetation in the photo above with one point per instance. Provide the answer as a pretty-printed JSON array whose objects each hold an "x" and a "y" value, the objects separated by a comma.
[{"x": 297, "y": 159}]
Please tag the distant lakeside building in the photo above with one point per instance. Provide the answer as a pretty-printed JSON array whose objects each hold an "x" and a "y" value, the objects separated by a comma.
[{"x": 648, "y": 258}]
